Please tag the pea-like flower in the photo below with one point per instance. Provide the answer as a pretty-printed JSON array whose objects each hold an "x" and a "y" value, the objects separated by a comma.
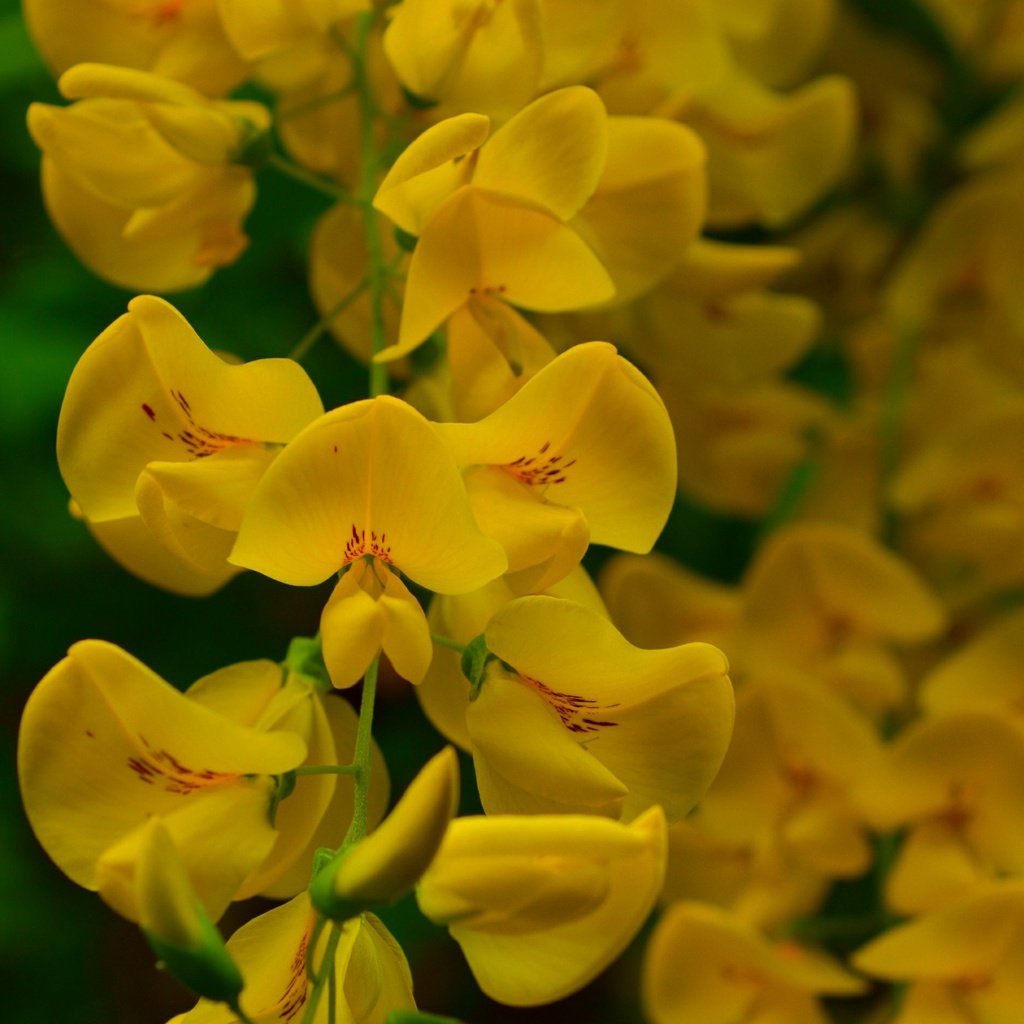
[
  {"x": 542, "y": 905},
  {"x": 161, "y": 443},
  {"x": 145, "y": 177},
  {"x": 573, "y": 718}
]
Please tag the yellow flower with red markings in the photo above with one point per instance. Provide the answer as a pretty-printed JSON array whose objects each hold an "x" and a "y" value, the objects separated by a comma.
[
  {"x": 573, "y": 718},
  {"x": 164, "y": 471},
  {"x": 340, "y": 498},
  {"x": 105, "y": 745}
]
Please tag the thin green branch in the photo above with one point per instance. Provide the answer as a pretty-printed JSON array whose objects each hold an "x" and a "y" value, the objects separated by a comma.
[
  {"x": 444, "y": 641},
  {"x": 309, "y": 179},
  {"x": 325, "y": 971},
  {"x": 361, "y": 757},
  {"x": 322, "y": 326},
  {"x": 327, "y": 769}
]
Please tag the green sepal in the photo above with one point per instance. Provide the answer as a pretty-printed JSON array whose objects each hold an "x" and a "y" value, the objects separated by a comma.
[
  {"x": 327, "y": 902},
  {"x": 474, "y": 662},
  {"x": 305, "y": 658},
  {"x": 256, "y": 146},
  {"x": 416, "y": 101},
  {"x": 207, "y": 970},
  {"x": 285, "y": 788}
]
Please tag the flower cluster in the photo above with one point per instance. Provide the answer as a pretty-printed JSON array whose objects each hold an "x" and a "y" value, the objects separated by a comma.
[{"x": 502, "y": 183}]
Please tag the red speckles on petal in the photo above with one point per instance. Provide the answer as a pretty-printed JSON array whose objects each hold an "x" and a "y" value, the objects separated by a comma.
[
  {"x": 541, "y": 469},
  {"x": 357, "y": 545},
  {"x": 576, "y": 712}
]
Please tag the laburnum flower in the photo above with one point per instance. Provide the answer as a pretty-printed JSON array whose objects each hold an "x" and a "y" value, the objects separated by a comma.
[
  {"x": 144, "y": 177},
  {"x": 371, "y": 489},
  {"x": 582, "y": 452},
  {"x": 179, "y": 39},
  {"x": 445, "y": 692},
  {"x": 274, "y": 950},
  {"x": 573, "y": 718},
  {"x": 105, "y": 745},
  {"x": 826, "y": 600},
  {"x": 568, "y": 183},
  {"x": 656, "y": 602},
  {"x": 961, "y": 964},
  {"x": 961, "y": 502},
  {"x": 260, "y": 30},
  {"x": 782, "y": 796},
  {"x": 480, "y": 55},
  {"x": 542, "y": 905},
  {"x": 956, "y": 785},
  {"x": 704, "y": 966},
  {"x": 161, "y": 442},
  {"x": 983, "y": 675}
]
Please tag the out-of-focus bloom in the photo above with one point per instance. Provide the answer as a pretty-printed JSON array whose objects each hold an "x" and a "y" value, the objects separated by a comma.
[
  {"x": 259, "y": 30},
  {"x": 388, "y": 863},
  {"x": 962, "y": 964},
  {"x": 582, "y": 452},
  {"x": 445, "y": 692},
  {"x": 105, "y": 745},
  {"x": 961, "y": 502},
  {"x": 479, "y": 55},
  {"x": 956, "y": 784},
  {"x": 705, "y": 967},
  {"x": 983, "y": 675},
  {"x": 273, "y": 950},
  {"x": 828, "y": 601},
  {"x": 179, "y": 39},
  {"x": 339, "y": 499},
  {"x": 161, "y": 443},
  {"x": 781, "y": 798},
  {"x": 542, "y": 905},
  {"x": 574, "y": 718},
  {"x": 658, "y": 603},
  {"x": 145, "y": 177},
  {"x": 990, "y": 34}
]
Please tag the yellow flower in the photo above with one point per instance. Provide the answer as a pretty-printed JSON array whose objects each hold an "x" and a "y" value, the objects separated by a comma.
[
  {"x": 105, "y": 745},
  {"x": 826, "y": 600},
  {"x": 143, "y": 177},
  {"x": 370, "y": 487},
  {"x": 962, "y": 964},
  {"x": 261, "y": 30},
  {"x": 983, "y": 675},
  {"x": 445, "y": 693},
  {"x": 705, "y": 967},
  {"x": 163, "y": 472},
  {"x": 582, "y": 452},
  {"x": 272, "y": 950},
  {"x": 573, "y": 718},
  {"x": 180, "y": 39},
  {"x": 956, "y": 784},
  {"x": 542, "y": 905},
  {"x": 484, "y": 55}
]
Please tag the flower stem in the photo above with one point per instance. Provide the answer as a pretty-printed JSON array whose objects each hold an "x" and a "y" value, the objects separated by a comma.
[
  {"x": 378, "y": 272},
  {"x": 361, "y": 757},
  {"x": 309, "y": 179},
  {"x": 327, "y": 769},
  {"x": 444, "y": 641},
  {"x": 325, "y": 971},
  {"x": 320, "y": 328}
]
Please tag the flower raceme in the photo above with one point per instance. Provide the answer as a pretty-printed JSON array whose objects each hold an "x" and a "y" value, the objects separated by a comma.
[
  {"x": 339, "y": 498},
  {"x": 163, "y": 472},
  {"x": 575, "y": 719},
  {"x": 541, "y": 905},
  {"x": 167, "y": 210}
]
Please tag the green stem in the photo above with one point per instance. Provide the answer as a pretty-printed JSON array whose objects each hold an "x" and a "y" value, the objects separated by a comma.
[
  {"x": 316, "y": 103},
  {"x": 327, "y": 769},
  {"x": 378, "y": 273},
  {"x": 361, "y": 757},
  {"x": 309, "y": 179},
  {"x": 444, "y": 641},
  {"x": 237, "y": 1010},
  {"x": 320, "y": 328},
  {"x": 326, "y": 970}
]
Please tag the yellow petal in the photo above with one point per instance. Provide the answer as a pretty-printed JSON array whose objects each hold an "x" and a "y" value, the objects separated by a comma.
[
  {"x": 430, "y": 169},
  {"x": 105, "y": 743},
  {"x": 339, "y": 484},
  {"x": 167, "y": 902},
  {"x": 527, "y": 762},
  {"x": 352, "y": 625},
  {"x": 478, "y": 243},
  {"x": 649, "y": 203},
  {"x": 588, "y": 432},
  {"x": 406, "y": 635},
  {"x": 550, "y": 154}
]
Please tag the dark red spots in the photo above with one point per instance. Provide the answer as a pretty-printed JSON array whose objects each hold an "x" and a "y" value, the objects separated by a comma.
[
  {"x": 335, "y": 449},
  {"x": 90, "y": 734},
  {"x": 573, "y": 709},
  {"x": 148, "y": 410},
  {"x": 540, "y": 469}
]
